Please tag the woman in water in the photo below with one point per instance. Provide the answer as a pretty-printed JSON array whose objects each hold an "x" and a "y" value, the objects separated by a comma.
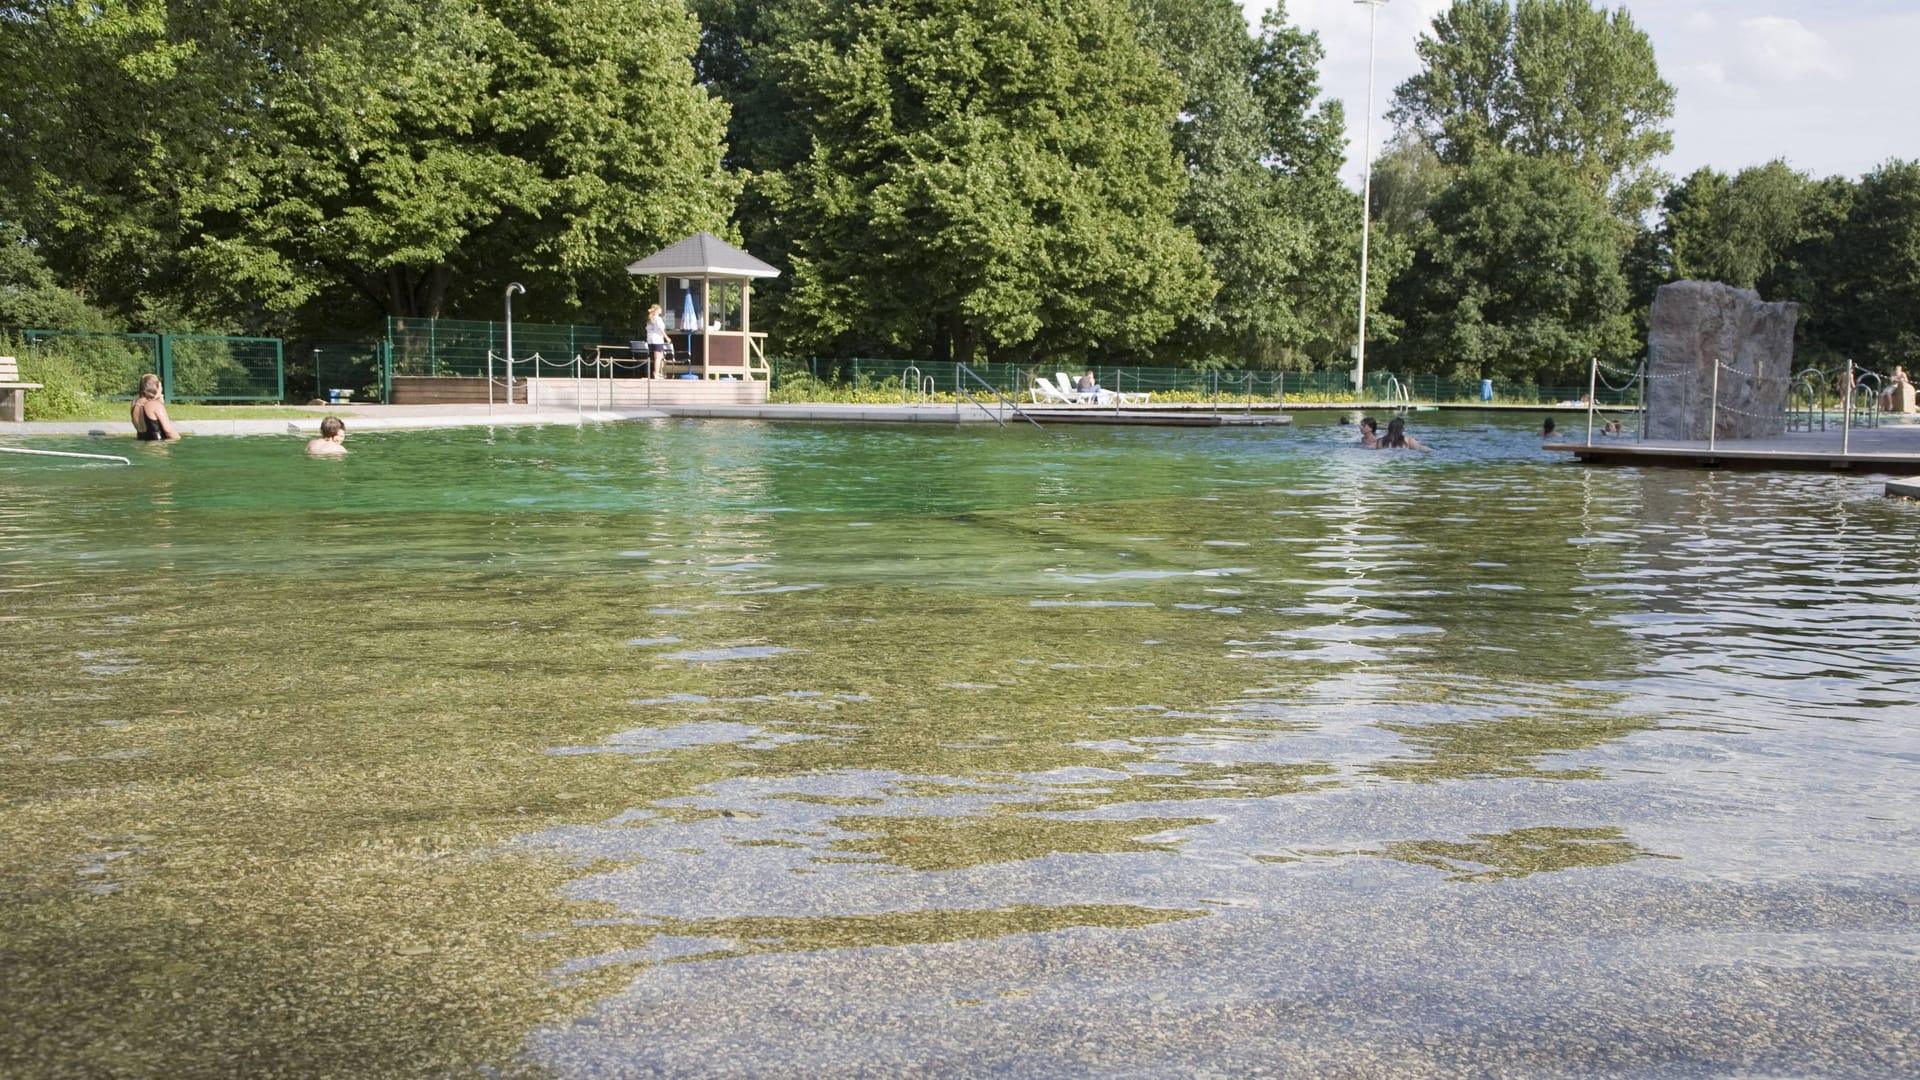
[
  {"x": 150, "y": 420},
  {"x": 1398, "y": 439}
]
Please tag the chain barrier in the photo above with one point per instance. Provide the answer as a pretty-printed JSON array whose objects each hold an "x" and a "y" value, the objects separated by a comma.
[
  {"x": 1643, "y": 373},
  {"x": 1632, "y": 380}
]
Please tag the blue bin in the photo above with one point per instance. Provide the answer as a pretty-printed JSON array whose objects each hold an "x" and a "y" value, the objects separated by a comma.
[{"x": 1486, "y": 389}]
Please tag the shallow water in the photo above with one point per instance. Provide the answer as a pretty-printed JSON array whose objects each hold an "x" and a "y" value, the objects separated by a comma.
[{"x": 1096, "y": 751}]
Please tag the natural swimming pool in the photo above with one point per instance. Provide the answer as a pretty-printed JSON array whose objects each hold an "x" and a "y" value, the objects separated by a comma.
[{"x": 745, "y": 749}]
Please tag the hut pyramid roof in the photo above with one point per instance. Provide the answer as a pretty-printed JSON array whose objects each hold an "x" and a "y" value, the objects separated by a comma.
[{"x": 705, "y": 254}]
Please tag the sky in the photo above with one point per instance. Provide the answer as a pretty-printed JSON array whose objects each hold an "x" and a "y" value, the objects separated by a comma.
[{"x": 1834, "y": 88}]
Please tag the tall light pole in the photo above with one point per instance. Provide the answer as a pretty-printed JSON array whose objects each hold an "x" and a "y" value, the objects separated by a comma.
[
  {"x": 1366, "y": 201},
  {"x": 515, "y": 287}
]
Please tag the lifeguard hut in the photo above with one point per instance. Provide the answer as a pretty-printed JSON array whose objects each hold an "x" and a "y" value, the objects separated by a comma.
[{"x": 706, "y": 300}]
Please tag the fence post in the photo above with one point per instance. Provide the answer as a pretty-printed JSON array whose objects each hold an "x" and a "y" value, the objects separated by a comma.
[
  {"x": 1641, "y": 380},
  {"x": 1713, "y": 410},
  {"x": 1846, "y": 409},
  {"x": 166, "y": 364},
  {"x": 1593, "y": 386}
]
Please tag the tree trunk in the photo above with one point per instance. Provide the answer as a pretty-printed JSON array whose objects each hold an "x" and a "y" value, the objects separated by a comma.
[{"x": 411, "y": 296}]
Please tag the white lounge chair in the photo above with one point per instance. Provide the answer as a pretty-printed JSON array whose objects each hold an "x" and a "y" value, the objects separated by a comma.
[
  {"x": 1098, "y": 397},
  {"x": 1080, "y": 397},
  {"x": 1046, "y": 393}
]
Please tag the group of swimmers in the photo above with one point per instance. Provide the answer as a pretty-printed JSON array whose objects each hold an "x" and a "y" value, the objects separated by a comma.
[
  {"x": 1396, "y": 437},
  {"x": 152, "y": 424}
]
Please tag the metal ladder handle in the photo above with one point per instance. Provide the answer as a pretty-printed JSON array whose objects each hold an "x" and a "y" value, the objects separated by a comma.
[{"x": 960, "y": 368}]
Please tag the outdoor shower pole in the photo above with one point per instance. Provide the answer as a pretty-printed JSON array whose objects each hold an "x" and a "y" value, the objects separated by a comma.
[
  {"x": 515, "y": 287},
  {"x": 1366, "y": 203}
]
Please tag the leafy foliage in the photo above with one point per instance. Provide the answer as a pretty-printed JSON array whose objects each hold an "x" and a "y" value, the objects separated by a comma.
[
  {"x": 1264, "y": 196},
  {"x": 243, "y": 161},
  {"x": 1557, "y": 78},
  {"x": 1519, "y": 275},
  {"x": 1870, "y": 272},
  {"x": 988, "y": 176}
]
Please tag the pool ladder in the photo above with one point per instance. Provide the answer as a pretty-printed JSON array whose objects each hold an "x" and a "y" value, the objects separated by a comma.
[{"x": 911, "y": 383}]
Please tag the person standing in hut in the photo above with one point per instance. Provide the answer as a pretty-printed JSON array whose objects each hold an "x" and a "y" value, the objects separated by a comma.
[{"x": 656, "y": 339}]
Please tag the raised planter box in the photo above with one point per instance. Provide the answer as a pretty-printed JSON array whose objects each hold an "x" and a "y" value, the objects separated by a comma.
[{"x": 449, "y": 390}]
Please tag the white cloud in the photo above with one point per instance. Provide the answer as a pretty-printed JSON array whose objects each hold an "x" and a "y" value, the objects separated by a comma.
[
  {"x": 1751, "y": 87},
  {"x": 1773, "y": 49}
]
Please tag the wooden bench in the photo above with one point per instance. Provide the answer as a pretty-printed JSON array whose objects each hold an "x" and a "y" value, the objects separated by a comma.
[{"x": 13, "y": 392}]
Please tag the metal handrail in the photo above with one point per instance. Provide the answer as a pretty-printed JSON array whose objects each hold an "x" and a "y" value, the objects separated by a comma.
[
  {"x": 920, "y": 386},
  {"x": 1813, "y": 386},
  {"x": 1397, "y": 396},
  {"x": 960, "y": 368}
]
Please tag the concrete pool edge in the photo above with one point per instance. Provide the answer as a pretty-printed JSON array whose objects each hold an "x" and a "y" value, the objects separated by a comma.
[{"x": 404, "y": 417}]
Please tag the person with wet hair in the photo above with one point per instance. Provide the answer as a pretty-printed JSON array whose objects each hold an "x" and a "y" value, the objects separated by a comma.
[
  {"x": 333, "y": 438},
  {"x": 150, "y": 420},
  {"x": 1548, "y": 429},
  {"x": 1398, "y": 439},
  {"x": 1369, "y": 433}
]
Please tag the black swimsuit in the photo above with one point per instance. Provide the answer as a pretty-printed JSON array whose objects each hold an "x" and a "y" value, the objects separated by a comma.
[{"x": 150, "y": 430}]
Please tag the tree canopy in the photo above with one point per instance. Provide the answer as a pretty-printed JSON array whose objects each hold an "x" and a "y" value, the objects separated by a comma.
[
  {"x": 1555, "y": 78},
  {"x": 1520, "y": 275},
  {"x": 984, "y": 176},
  {"x": 1262, "y": 155},
  {"x": 244, "y": 162}
]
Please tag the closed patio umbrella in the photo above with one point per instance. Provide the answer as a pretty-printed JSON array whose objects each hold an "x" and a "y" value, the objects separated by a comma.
[{"x": 689, "y": 321}]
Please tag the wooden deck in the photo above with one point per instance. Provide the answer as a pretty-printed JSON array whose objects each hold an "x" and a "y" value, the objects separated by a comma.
[{"x": 1894, "y": 448}]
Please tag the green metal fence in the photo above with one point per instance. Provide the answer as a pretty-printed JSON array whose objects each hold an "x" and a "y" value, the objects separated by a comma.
[
  {"x": 459, "y": 347},
  {"x": 342, "y": 371},
  {"x": 192, "y": 367},
  {"x": 1016, "y": 380}
]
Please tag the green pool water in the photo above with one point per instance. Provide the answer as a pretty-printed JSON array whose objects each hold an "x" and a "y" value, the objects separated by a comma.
[{"x": 728, "y": 748}]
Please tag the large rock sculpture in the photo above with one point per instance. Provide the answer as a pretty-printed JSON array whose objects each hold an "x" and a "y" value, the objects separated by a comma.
[{"x": 1700, "y": 328}]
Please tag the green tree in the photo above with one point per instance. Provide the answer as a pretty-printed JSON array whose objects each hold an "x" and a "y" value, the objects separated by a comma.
[
  {"x": 31, "y": 297},
  {"x": 433, "y": 154},
  {"x": 1767, "y": 228},
  {"x": 233, "y": 161},
  {"x": 1547, "y": 78},
  {"x": 1407, "y": 176},
  {"x": 984, "y": 175},
  {"x": 1869, "y": 309},
  {"x": 109, "y": 115},
  {"x": 1264, "y": 197},
  {"x": 1734, "y": 231},
  {"x": 1517, "y": 278}
]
